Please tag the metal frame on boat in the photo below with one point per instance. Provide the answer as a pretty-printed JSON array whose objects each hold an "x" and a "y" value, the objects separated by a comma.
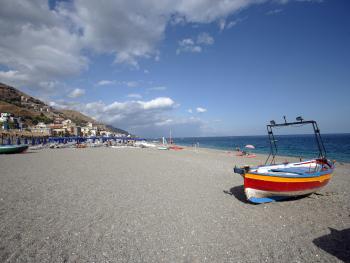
[
  {"x": 273, "y": 146},
  {"x": 272, "y": 182}
]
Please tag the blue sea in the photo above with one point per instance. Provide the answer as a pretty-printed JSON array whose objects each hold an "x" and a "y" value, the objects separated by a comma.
[{"x": 337, "y": 145}]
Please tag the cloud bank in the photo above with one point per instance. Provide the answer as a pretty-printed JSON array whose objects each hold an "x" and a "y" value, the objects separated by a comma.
[
  {"x": 39, "y": 44},
  {"x": 150, "y": 118},
  {"x": 76, "y": 93}
]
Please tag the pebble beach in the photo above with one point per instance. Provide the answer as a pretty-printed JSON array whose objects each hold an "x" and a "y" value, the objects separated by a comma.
[{"x": 146, "y": 205}]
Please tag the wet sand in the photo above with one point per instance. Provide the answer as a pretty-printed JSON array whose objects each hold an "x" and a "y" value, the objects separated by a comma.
[{"x": 146, "y": 205}]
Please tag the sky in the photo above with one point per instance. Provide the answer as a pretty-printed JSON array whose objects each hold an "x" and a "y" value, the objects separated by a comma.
[{"x": 195, "y": 67}]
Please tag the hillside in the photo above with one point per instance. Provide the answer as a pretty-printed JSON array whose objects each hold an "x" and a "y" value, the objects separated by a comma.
[
  {"x": 33, "y": 110},
  {"x": 116, "y": 130},
  {"x": 78, "y": 117},
  {"x": 13, "y": 96}
]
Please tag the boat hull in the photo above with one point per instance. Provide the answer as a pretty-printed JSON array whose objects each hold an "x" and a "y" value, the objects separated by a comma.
[
  {"x": 162, "y": 148},
  {"x": 263, "y": 189},
  {"x": 11, "y": 149},
  {"x": 175, "y": 147}
]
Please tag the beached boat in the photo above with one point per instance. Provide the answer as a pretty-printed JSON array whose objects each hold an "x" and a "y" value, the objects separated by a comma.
[
  {"x": 175, "y": 147},
  {"x": 163, "y": 148},
  {"x": 164, "y": 145},
  {"x": 8, "y": 149},
  {"x": 273, "y": 182}
]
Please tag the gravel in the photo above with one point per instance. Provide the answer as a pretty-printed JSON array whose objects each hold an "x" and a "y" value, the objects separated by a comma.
[{"x": 146, "y": 205}]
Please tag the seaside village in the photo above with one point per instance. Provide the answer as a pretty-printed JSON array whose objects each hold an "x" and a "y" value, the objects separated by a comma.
[
  {"x": 64, "y": 133},
  {"x": 48, "y": 128},
  {"x": 58, "y": 128},
  {"x": 58, "y": 134}
]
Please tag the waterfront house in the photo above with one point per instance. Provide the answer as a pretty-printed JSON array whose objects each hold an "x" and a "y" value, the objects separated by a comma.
[
  {"x": 41, "y": 128},
  {"x": 5, "y": 116},
  {"x": 57, "y": 129}
]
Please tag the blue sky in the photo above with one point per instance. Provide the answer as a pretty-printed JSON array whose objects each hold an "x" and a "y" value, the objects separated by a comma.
[{"x": 197, "y": 68}]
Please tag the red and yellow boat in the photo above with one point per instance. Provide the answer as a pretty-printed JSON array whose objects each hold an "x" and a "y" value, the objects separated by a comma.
[{"x": 275, "y": 182}]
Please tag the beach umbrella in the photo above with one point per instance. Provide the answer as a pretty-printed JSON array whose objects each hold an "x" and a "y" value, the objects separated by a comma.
[{"x": 249, "y": 146}]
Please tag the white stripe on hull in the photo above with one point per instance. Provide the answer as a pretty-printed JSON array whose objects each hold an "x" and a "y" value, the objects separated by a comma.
[{"x": 250, "y": 192}]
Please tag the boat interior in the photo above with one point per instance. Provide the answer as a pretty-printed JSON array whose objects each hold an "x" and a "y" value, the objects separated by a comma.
[{"x": 301, "y": 169}]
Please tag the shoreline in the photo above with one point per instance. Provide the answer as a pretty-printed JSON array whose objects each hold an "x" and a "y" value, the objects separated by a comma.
[{"x": 260, "y": 155}]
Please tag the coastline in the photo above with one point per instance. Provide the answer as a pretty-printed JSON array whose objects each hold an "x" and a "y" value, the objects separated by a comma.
[
  {"x": 261, "y": 157},
  {"x": 135, "y": 205},
  {"x": 304, "y": 145}
]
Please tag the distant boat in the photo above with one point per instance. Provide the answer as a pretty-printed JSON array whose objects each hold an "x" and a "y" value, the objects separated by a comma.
[
  {"x": 275, "y": 182},
  {"x": 9, "y": 149},
  {"x": 163, "y": 148},
  {"x": 164, "y": 145},
  {"x": 176, "y": 147},
  {"x": 173, "y": 146}
]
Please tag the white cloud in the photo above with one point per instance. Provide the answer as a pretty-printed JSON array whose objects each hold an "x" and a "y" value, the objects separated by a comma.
[
  {"x": 134, "y": 115},
  {"x": 35, "y": 44},
  {"x": 190, "y": 45},
  {"x": 232, "y": 23},
  {"x": 134, "y": 96},
  {"x": 105, "y": 82},
  {"x": 131, "y": 84},
  {"x": 76, "y": 93},
  {"x": 165, "y": 122},
  {"x": 14, "y": 77},
  {"x": 131, "y": 30},
  {"x": 274, "y": 11},
  {"x": 205, "y": 39},
  {"x": 186, "y": 42},
  {"x": 201, "y": 110},
  {"x": 143, "y": 117},
  {"x": 162, "y": 102},
  {"x": 223, "y": 24},
  {"x": 190, "y": 110},
  {"x": 62, "y": 104},
  {"x": 158, "y": 88}
]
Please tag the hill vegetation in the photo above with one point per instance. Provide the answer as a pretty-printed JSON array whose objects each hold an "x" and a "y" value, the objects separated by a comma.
[{"x": 33, "y": 110}]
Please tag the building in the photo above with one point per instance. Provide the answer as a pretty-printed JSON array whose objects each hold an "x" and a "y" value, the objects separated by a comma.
[
  {"x": 5, "y": 116},
  {"x": 89, "y": 130},
  {"x": 24, "y": 99},
  {"x": 57, "y": 129},
  {"x": 17, "y": 122},
  {"x": 77, "y": 131},
  {"x": 9, "y": 121},
  {"x": 105, "y": 133},
  {"x": 67, "y": 123},
  {"x": 58, "y": 120},
  {"x": 41, "y": 128}
]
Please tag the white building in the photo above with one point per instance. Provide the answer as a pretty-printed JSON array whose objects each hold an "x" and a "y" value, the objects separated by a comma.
[
  {"x": 67, "y": 123},
  {"x": 5, "y": 116},
  {"x": 41, "y": 128}
]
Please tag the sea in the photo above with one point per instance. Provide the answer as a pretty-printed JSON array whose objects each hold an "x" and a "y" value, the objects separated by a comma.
[{"x": 305, "y": 146}]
